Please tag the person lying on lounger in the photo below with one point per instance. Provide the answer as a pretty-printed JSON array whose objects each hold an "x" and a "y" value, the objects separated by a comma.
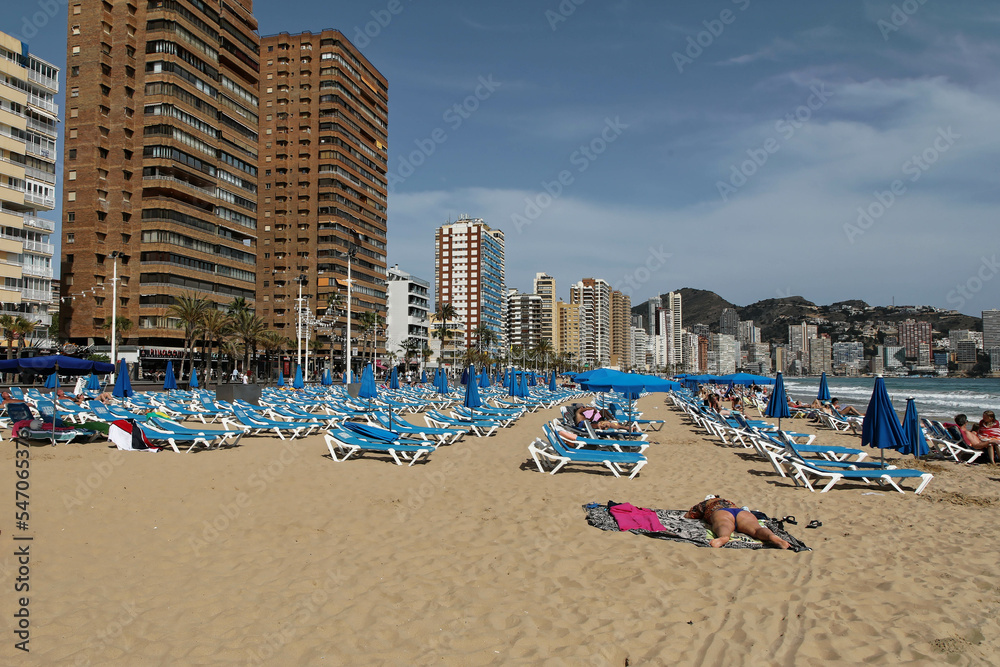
[
  {"x": 601, "y": 419},
  {"x": 726, "y": 517},
  {"x": 847, "y": 410},
  {"x": 7, "y": 398},
  {"x": 78, "y": 399},
  {"x": 975, "y": 441}
]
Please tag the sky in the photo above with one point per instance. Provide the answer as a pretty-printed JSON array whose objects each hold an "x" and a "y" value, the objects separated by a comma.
[{"x": 832, "y": 150}]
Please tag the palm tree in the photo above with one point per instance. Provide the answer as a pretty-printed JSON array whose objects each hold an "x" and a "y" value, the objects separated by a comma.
[
  {"x": 426, "y": 353},
  {"x": 272, "y": 341},
  {"x": 214, "y": 325},
  {"x": 7, "y": 322},
  {"x": 543, "y": 348},
  {"x": 22, "y": 327},
  {"x": 190, "y": 310},
  {"x": 445, "y": 312},
  {"x": 248, "y": 328},
  {"x": 486, "y": 338},
  {"x": 238, "y": 305}
]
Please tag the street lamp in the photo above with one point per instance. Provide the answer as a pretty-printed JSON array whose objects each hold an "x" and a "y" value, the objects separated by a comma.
[
  {"x": 298, "y": 329},
  {"x": 115, "y": 254},
  {"x": 352, "y": 250}
]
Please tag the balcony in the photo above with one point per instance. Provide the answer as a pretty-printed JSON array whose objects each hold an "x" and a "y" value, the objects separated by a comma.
[
  {"x": 43, "y": 319},
  {"x": 162, "y": 177},
  {"x": 40, "y": 152},
  {"x": 39, "y": 223},
  {"x": 39, "y": 247},
  {"x": 47, "y": 202},
  {"x": 37, "y": 126},
  {"x": 37, "y": 271},
  {"x": 42, "y": 80},
  {"x": 40, "y": 295},
  {"x": 41, "y": 103},
  {"x": 39, "y": 175}
]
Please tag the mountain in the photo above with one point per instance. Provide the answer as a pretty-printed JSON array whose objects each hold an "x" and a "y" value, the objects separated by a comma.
[{"x": 774, "y": 315}]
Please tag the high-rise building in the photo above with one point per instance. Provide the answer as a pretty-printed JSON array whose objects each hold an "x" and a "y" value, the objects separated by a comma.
[
  {"x": 955, "y": 335},
  {"x": 568, "y": 317},
  {"x": 729, "y": 322},
  {"x": 323, "y": 160},
  {"x": 966, "y": 352},
  {"x": 820, "y": 356},
  {"x": 28, "y": 133},
  {"x": 689, "y": 352},
  {"x": 894, "y": 356},
  {"x": 723, "y": 354},
  {"x": 799, "y": 337},
  {"x": 848, "y": 354},
  {"x": 594, "y": 295},
  {"x": 407, "y": 315},
  {"x": 994, "y": 355},
  {"x": 545, "y": 287},
  {"x": 912, "y": 334},
  {"x": 991, "y": 329},
  {"x": 469, "y": 274},
  {"x": 649, "y": 317},
  {"x": 640, "y": 343},
  {"x": 160, "y": 162},
  {"x": 748, "y": 333},
  {"x": 621, "y": 324},
  {"x": 524, "y": 320}
]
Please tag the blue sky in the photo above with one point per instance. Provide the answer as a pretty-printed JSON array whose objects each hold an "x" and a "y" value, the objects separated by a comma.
[{"x": 832, "y": 150}]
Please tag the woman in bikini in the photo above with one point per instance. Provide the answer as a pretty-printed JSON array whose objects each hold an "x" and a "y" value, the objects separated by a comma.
[{"x": 726, "y": 518}]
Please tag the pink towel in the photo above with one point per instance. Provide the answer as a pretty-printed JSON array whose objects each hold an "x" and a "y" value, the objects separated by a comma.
[{"x": 630, "y": 517}]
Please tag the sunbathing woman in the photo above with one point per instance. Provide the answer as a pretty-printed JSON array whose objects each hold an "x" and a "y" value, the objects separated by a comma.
[{"x": 726, "y": 518}]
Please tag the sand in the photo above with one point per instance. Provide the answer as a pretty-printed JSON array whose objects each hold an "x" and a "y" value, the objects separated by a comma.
[{"x": 271, "y": 553}]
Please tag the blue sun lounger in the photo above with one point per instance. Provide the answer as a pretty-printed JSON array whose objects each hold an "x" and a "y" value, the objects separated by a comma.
[{"x": 351, "y": 444}]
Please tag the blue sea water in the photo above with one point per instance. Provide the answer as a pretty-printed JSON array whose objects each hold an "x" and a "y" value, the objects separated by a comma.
[{"x": 935, "y": 397}]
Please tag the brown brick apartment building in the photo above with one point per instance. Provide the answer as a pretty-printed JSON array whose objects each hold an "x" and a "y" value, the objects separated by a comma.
[
  {"x": 161, "y": 157},
  {"x": 323, "y": 162}
]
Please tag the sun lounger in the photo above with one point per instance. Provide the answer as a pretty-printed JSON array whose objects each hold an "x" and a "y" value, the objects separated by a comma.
[
  {"x": 258, "y": 424},
  {"x": 805, "y": 470},
  {"x": 351, "y": 444},
  {"x": 555, "y": 454}
]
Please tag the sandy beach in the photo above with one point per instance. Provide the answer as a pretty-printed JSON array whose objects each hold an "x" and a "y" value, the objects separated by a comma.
[{"x": 270, "y": 553}]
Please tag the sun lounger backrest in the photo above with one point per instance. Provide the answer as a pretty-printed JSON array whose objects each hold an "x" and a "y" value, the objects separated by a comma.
[{"x": 19, "y": 412}]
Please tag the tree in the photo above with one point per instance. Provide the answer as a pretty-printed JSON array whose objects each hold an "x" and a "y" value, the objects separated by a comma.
[
  {"x": 22, "y": 327},
  {"x": 410, "y": 348},
  {"x": 7, "y": 323},
  {"x": 190, "y": 310},
  {"x": 214, "y": 326},
  {"x": 238, "y": 305},
  {"x": 248, "y": 328},
  {"x": 124, "y": 326},
  {"x": 445, "y": 312},
  {"x": 542, "y": 350},
  {"x": 370, "y": 322},
  {"x": 54, "y": 327},
  {"x": 270, "y": 342}
]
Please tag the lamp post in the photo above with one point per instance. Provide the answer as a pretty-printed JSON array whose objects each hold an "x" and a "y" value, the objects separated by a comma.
[
  {"x": 298, "y": 327},
  {"x": 349, "y": 255},
  {"x": 115, "y": 254}
]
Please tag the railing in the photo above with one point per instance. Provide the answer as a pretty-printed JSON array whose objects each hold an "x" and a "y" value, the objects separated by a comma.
[
  {"x": 38, "y": 318},
  {"x": 45, "y": 296},
  {"x": 41, "y": 127},
  {"x": 38, "y": 174},
  {"x": 161, "y": 177},
  {"x": 39, "y": 247},
  {"x": 46, "y": 81},
  {"x": 40, "y": 152},
  {"x": 37, "y": 271},
  {"x": 48, "y": 105},
  {"x": 38, "y": 223},
  {"x": 50, "y": 202}
]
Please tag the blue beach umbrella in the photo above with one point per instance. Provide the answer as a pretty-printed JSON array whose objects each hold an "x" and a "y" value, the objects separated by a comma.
[
  {"x": 327, "y": 378},
  {"x": 52, "y": 381},
  {"x": 443, "y": 383},
  {"x": 524, "y": 392},
  {"x": 394, "y": 378},
  {"x": 423, "y": 377},
  {"x": 484, "y": 379},
  {"x": 193, "y": 382},
  {"x": 347, "y": 377},
  {"x": 465, "y": 375},
  {"x": 532, "y": 380},
  {"x": 472, "y": 400},
  {"x": 123, "y": 386},
  {"x": 281, "y": 378},
  {"x": 297, "y": 383},
  {"x": 824, "y": 389},
  {"x": 368, "y": 389},
  {"x": 93, "y": 383},
  {"x": 777, "y": 405},
  {"x": 914, "y": 441},
  {"x": 169, "y": 381},
  {"x": 881, "y": 427},
  {"x": 552, "y": 382},
  {"x": 745, "y": 378}
]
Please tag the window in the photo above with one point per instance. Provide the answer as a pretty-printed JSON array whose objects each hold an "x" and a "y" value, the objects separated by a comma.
[
  {"x": 71, "y": 238},
  {"x": 72, "y": 175},
  {"x": 76, "y": 9},
  {"x": 71, "y": 196},
  {"x": 74, "y": 92},
  {"x": 74, "y": 112},
  {"x": 71, "y": 217},
  {"x": 72, "y": 133},
  {"x": 76, "y": 50},
  {"x": 74, "y": 70}
]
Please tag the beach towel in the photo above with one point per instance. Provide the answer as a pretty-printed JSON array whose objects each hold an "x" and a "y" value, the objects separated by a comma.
[
  {"x": 630, "y": 517},
  {"x": 989, "y": 433},
  {"x": 679, "y": 529},
  {"x": 127, "y": 435}
]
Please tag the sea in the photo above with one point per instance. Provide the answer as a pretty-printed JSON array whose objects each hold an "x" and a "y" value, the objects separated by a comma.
[{"x": 938, "y": 398}]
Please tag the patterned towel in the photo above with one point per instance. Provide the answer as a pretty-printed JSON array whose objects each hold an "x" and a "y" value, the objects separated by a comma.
[{"x": 691, "y": 531}]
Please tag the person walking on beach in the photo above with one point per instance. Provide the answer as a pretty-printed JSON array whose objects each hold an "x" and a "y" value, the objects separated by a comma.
[{"x": 725, "y": 518}]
